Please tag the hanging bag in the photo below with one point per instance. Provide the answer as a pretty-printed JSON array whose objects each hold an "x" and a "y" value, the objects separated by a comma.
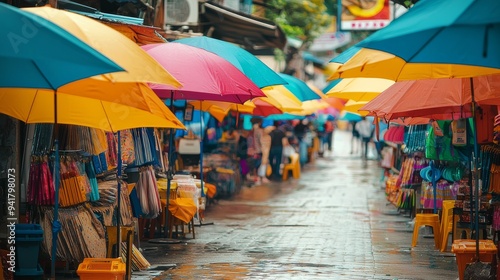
[{"x": 459, "y": 132}]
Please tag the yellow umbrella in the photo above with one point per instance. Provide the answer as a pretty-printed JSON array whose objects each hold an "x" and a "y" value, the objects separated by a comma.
[
  {"x": 85, "y": 111},
  {"x": 369, "y": 63},
  {"x": 139, "y": 66},
  {"x": 353, "y": 107},
  {"x": 282, "y": 98},
  {"x": 359, "y": 89},
  {"x": 312, "y": 106}
]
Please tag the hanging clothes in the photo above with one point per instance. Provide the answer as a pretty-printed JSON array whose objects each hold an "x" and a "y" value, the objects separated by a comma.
[
  {"x": 147, "y": 193},
  {"x": 127, "y": 146},
  {"x": 40, "y": 183}
]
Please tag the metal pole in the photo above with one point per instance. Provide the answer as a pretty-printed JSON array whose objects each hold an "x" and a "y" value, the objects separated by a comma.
[
  {"x": 56, "y": 225},
  {"x": 118, "y": 211},
  {"x": 169, "y": 168},
  {"x": 475, "y": 172},
  {"x": 201, "y": 153}
]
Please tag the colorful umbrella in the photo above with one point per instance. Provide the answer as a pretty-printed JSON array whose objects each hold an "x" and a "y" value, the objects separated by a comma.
[
  {"x": 350, "y": 116},
  {"x": 204, "y": 75},
  {"x": 434, "y": 39},
  {"x": 354, "y": 106},
  {"x": 139, "y": 66},
  {"x": 358, "y": 89},
  {"x": 439, "y": 99},
  {"x": 299, "y": 88},
  {"x": 36, "y": 53},
  {"x": 249, "y": 64},
  {"x": 282, "y": 98},
  {"x": 37, "y": 106},
  {"x": 459, "y": 39},
  {"x": 284, "y": 117}
]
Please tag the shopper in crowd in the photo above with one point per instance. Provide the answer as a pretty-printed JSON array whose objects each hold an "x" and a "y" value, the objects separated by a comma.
[
  {"x": 266, "y": 148},
  {"x": 278, "y": 141},
  {"x": 303, "y": 135},
  {"x": 329, "y": 127},
  {"x": 365, "y": 129},
  {"x": 255, "y": 148},
  {"x": 242, "y": 152},
  {"x": 355, "y": 139}
]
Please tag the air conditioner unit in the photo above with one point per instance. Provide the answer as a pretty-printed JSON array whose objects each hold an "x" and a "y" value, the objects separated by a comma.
[{"x": 181, "y": 12}]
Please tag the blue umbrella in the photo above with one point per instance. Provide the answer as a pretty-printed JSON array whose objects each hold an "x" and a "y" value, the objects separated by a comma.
[
  {"x": 434, "y": 39},
  {"x": 249, "y": 64},
  {"x": 299, "y": 88},
  {"x": 36, "y": 53}
]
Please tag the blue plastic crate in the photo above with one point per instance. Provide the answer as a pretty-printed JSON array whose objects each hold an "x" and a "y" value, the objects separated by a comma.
[
  {"x": 28, "y": 240},
  {"x": 29, "y": 232}
]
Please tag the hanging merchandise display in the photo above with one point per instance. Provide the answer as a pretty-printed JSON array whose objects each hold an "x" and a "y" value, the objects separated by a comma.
[
  {"x": 440, "y": 147},
  {"x": 490, "y": 168},
  {"x": 79, "y": 226},
  {"x": 147, "y": 193},
  {"x": 415, "y": 138},
  {"x": 40, "y": 183}
]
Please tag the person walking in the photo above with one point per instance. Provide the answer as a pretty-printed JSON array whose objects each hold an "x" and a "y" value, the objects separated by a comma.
[
  {"x": 365, "y": 129},
  {"x": 255, "y": 149},
  {"x": 354, "y": 138},
  {"x": 278, "y": 141},
  {"x": 329, "y": 127}
]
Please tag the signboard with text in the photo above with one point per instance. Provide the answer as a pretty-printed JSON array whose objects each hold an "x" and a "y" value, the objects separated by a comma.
[{"x": 363, "y": 14}]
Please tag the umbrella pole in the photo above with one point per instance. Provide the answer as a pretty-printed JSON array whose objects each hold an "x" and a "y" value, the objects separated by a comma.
[
  {"x": 201, "y": 157},
  {"x": 434, "y": 187},
  {"x": 169, "y": 167},
  {"x": 118, "y": 211},
  {"x": 56, "y": 225},
  {"x": 202, "y": 184},
  {"x": 475, "y": 175}
]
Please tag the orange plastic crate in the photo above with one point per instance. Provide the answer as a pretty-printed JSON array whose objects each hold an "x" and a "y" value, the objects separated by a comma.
[
  {"x": 465, "y": 252},
  {"x": 102, "y": 269}
]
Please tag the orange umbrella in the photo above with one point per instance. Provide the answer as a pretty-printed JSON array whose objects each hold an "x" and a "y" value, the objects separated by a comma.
[{"x": 435, "y": 98}]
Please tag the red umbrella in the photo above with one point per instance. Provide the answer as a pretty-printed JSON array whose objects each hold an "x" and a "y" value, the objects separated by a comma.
[
  {"x": 438, "y": 99},
  {"x": 204, "y": 75}
]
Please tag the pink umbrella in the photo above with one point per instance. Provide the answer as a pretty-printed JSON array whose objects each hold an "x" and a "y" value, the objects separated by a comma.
[{"x": 204, "y": 75}]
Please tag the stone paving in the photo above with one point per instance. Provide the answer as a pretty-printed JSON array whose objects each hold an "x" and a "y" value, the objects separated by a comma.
[{"x": 332, "y": 223}]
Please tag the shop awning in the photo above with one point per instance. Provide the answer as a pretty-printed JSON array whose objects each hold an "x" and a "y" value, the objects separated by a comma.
[{"x": 252, "y": 32}]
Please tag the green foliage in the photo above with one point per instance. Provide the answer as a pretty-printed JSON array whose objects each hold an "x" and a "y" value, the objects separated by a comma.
[{"x": 303, "y": 19}]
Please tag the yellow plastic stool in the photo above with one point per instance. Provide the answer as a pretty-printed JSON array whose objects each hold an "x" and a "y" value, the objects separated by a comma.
[
  {"x": 293, "y": 166},
  {"x": 446, "y": 222},
  {"x": 431, "y": 220}
]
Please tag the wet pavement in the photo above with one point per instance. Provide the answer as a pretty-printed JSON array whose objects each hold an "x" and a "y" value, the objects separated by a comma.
[{"x": 332, "y": 223}]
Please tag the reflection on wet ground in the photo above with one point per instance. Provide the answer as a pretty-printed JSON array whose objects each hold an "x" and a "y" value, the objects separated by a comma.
[{"x": 332, "y": 223}]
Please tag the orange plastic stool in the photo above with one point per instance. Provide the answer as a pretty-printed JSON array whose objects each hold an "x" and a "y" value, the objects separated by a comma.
[{"x": 426, "y": 220}]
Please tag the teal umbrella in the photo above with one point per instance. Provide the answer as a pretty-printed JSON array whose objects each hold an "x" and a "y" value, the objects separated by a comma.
[
  {"x": 246, "y": 62},
  {"x": 350, "y": 117},
  {"x": 284, "y": 117},
  {"x": 434, "y": 39},
  {"x": 35, "y": 53},
  {"x": 299, "y": 88}
]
